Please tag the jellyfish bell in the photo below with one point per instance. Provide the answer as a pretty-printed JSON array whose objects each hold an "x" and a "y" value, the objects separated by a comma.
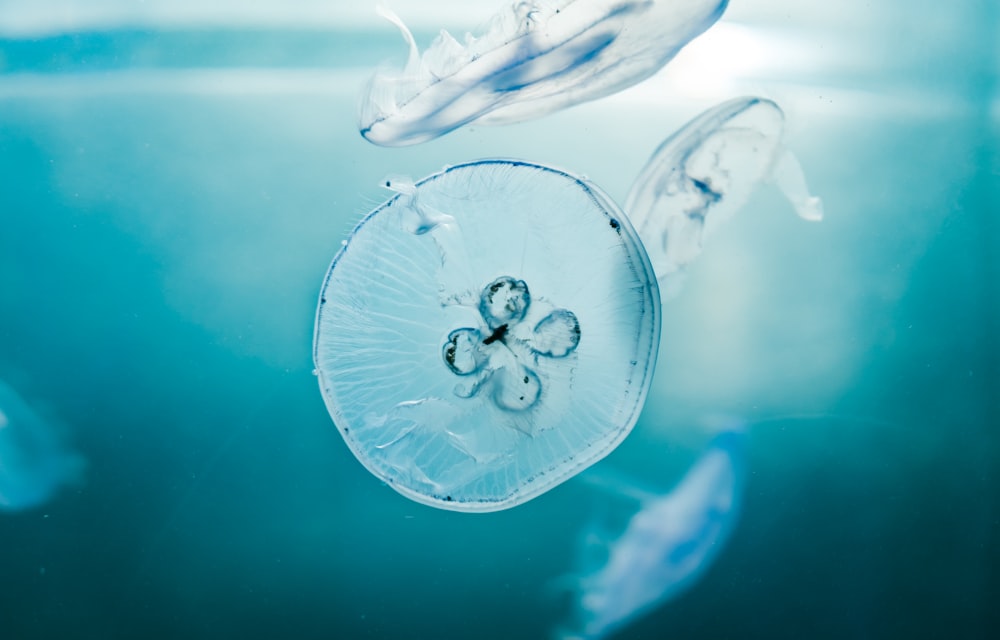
[
  {"x": 487, "y": 333},
  {"x": 669, "y": 541},
  {"x": 532, "y": 59},
  {"x": 34, "y": 461},
  {"x": 699, "y": 177}
]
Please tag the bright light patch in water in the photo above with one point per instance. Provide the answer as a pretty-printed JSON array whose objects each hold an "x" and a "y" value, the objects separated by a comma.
[{"x": 487, "y": 333}]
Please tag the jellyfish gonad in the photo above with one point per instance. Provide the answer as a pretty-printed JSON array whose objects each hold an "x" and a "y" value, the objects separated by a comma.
[
  {"x": 667, "y": 545},
  {"x": 700, "y": 176},
  {"x": 487, "y": 333},
  {"x": 534, "y": 58},
  {"x": 34, "y": 462}
]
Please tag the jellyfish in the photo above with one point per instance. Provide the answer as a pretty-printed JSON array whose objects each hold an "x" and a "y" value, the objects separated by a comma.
[
  {"x": 535, "y": 57},
  {"x": 486, "y": 333},
  {"x": 666, "y": 546},
  {"x": 34, "y": 462},
  {"x": 700, "y": 176}
]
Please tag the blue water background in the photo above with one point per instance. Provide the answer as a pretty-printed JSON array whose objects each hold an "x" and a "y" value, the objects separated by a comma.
[{"x": 170, "y": 200}]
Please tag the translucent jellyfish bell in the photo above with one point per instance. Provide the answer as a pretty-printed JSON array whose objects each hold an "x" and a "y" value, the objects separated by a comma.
[
  {"x": 34, "y": 462},
  {"x": 533, "y": 58},
  {"x": 700, "y": 176},
  {"x": 668, "y": 543},
  {"x": 487, "y": 333}
]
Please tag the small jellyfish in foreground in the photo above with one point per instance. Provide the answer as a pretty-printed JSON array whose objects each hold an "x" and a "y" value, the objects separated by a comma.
[
  {"x": 701, "y": 175},
  {"x": 487, "y": 333},
  {"x": 667, "y": 545},
  {"x": 535, "y": 57},
  {"x": 34, "y": 462}
]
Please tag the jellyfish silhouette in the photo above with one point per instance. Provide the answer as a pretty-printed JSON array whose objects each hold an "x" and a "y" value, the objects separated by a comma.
[
  {"x": 533, "y": 58},
  {"x": 487, "y": 333},
  {"x": 700, "y": 176},
  {"x": 34, "y": 462},
  {"x": 667, "y": 545}
]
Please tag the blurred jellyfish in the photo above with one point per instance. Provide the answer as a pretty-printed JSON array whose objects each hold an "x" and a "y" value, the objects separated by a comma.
[
  {"x": 487, "y": 333},
  {"x": 700, "y": 176},
  {"x": 34, "y": 463},
  {"x": 667, "y": 544},
  {"x": 534, "y": 58}
]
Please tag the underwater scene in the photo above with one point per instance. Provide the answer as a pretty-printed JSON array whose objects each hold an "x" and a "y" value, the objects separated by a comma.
[{"x": 495, "y": 319}]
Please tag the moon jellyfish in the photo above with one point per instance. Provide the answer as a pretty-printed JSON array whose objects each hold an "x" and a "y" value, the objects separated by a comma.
[
  {"x": 667, "y": 544},
  {"x": 533, "y": 58},
  {"x": 487, "y": 333},
  {"x": 700, "y": 176},
  {"x": 34, "y": 463}
]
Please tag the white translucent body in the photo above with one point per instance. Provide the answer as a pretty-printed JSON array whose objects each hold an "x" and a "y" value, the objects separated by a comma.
[
  {"x": 533, "y": 58},
  {"x": 703, "y": 174},
  {"x": 487, "y": 333},
  {"x": 34, "y": 463},
  {"x": 667, "y": 545}
]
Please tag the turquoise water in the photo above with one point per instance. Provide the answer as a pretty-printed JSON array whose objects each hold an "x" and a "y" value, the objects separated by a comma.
[{"x": 170, "y": 198}]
